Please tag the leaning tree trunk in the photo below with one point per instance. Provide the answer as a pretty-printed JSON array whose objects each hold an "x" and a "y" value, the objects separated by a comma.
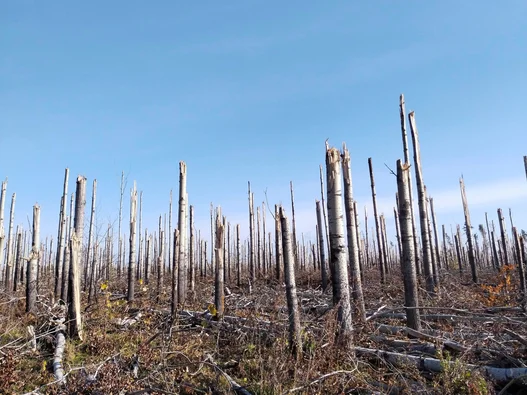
[
  {"x": 182, "y": 227},
  {"x": 382, "y": 268},
  {"x": 131, "y": 252},
  {"x": 31, "y": 272},
  {"x": 74, "y": 293},
  {"x": 408, "y": 262},
  {"x": 322, "y": 247},
  {"x": 468, "y": 230},
  {"x": 353, "y": 247},
  {"x": 339, "y": 252},
  {"x": 219, "y": 279},
  {"x": 423, "y": 212},
  {"x": 295, "y": 339}
]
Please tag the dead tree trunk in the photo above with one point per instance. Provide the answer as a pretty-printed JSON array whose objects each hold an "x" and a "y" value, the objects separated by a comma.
[
  {"x": 325, "y": 219},
  {"x": 278, "y": 241},
  {"x": 18, "y": 258},
  {"x": 67, "y": 254},
  {"x": 132, "y": 258},
  {"x": 295, "y": 339},
  {"x": 294, "y": 241},
  {"x": 353, "y": 248},
  {"x": 468, "y": 231},
  {"x": 408, "y": 264},
  {"x": 238, "y": 257},
  {"x": 219, "y": 279},
  {"x": 121, "y": 195},
  {"x": 192, "y": 262},
  {"x": 61, "y": 238},
  {"x": 436, "y": 236},
  {"x": 9, "y": 255},
  {"x": 90, "y": 236},
  {"x": 406, "y": 152},
  {"x": 182, "y": 227},
  {"x": 251, "y": 235},
  {"x": 74, "y": 293},
  {"x": 423, "y": 212},
  {"x": 2, "y": 231},
  {"x": 140, "y": 254},
  {"x": 160, "y": 264},
  {"x": 339, "y": 253},
  {"x": 322, "y": 247},
  {"x": 175, "y": 269},
  {"x": 504, "y": 240},
  {"x": 31, "y": 272},
  {"x": 382, "y": 268},
  {"x": 521, "y": 268}
]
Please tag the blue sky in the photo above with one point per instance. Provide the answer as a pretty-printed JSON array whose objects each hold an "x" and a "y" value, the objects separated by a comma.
[{"x": 250, "y": 90}]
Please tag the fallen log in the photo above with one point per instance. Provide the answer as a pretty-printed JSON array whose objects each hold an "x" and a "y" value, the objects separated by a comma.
[{"x": 500, "y": 375}]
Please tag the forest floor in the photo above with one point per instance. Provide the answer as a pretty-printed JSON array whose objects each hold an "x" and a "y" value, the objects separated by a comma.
[{"x": 139, "y": 349}]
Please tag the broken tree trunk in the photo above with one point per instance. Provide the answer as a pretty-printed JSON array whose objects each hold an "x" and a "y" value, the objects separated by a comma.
[
  {"x": 468, "y": 230},
  {"x": 382, "y": 268},
  {"x": 504, "y": 241},
  {"x": 423, "y": 212},
  {"x": 339, "y": 253},
  {"x": 408, "y": 263},
  {"x": 295, "y": 339},
  {"x": 182, "y": 227},
  {"x": 31, "y": 272},
  {"x": 219, "y": 279},
  {"x": 353, "y": 247}
]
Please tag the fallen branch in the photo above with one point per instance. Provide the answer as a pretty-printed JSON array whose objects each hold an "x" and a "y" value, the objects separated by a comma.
[{"x": 321, "y": 378}]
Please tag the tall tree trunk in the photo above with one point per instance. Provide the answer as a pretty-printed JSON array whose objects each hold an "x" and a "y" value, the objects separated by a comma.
[
  {"x": 468, "y": 231},
  {"x": 74, "y": 292},
  {"x": 294, "y": 241},
  {"x": 132, "y": 257},
  {"x": 353, "y": 248},
  {"x": 382, "y": 268},
  {"x": 31, "y": 282},
  {"x": 423, "y": 212},
  {"x": 192, "y": 262},
  {"x": 278, "y": 241},
  {"x": 182, "y": 227},
  {"x": 90, "y": 235},
  {"x": 503, "y": 237},
  {"x": 160, "y": 263},
  {"x": 406, "y": 153},
  {"x": 325, "y": 219},
  {"x": 295, "y": 339},
  {"x": 140, "y": 254},
  {"x": 521, "y": 268},
  {"x": 238, "y": 257},
  {"x": 10, "y": 242},
  {"x": 2, "y": 231},
  {"x": 121, "y": 195},
  {"x": 339, "y": 252},
  {"x": 61, "y": 237},
  {"x": 176, "y": 268},
  {"x": 322, "y": 247},
  {"x": 251, "y": 235},
  {"x": 219, "y": 279},
  {"x": 67, "y": 254},
  {"x": 18, "y": 258},
  {"x": 408, "y": 264}
]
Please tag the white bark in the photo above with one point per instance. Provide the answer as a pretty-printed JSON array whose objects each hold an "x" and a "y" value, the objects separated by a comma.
[
  {"x": 9, "y": 255},
  {"x": 219, "y": 282},
  {"x": 132, "y": 254},
  {"x": 2, "y": 230},
  {"x": 182, "y": 227},
  {"x": 31, "y": 273}
]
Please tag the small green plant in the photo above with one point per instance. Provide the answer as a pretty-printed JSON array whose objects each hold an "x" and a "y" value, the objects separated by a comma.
[{"x": 457, "y": 378}]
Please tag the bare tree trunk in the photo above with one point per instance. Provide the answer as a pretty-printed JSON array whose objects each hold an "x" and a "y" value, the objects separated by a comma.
[
  {"x": 18, "y": 258},
  {"x": 406, "y": 152},
  {"x": 436, "y": 236},
  {"x": 521, "y": 268},
  {"x": 359, "y": 240},
  {"x": 2, "y": 231},
  {"x": 132, "y": 258},
  {"x": 176, "y": 268},
  {"x": 382, "y": 268},
  {"x": 10, "y": 242},
  {"x": 147, "y": 257},
  {"x": 367, "y": 246},
  {"x": 468, "y": 230},
  {"x": 90, "y": 235},
  {"x": 353, "y": 248},
  {"x": 458, "y": 253},
  {"x": 423, "y": 212},
  {"x": 74, "y": 293},
  {"x": 251, "y": 235},
  {"x": 503, "y": 237},
  {"x": 408, "y": 264},
  {"x": 294, "y": 241},
  {"x": 160, "y": 264},
  {"x": 211, "y": 237},
  {"x": 31, "y": 282},
  {"x": 295, "y": 339},
  {"x": 258, "y": 243},
  {"x": 238, "y": 257},
  {"x": 278, "y": 241},
  {"x": 339, "y": 253},
  {"x": 170, "y": 235},
  {"x": 397, "y": 228},
  {"x": 140, "y": 266},
  {"x": 182, "y": 227},
  {"x": 435, "y": 273},
  {"x": 192, "y": 263},
  {"x": 67, "y": 254},
  {"x": 325, "y": 219},
  {"x": 322, "y": 247},
  {"x": 219, "y": 279},
  {"x": 121, "y": 194},
  {"x": 525, "y": 164},
  {"x": 264, "y": 251}
]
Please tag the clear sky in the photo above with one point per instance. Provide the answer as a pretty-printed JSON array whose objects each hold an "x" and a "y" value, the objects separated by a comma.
[{"x": 250, "y": 90}]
